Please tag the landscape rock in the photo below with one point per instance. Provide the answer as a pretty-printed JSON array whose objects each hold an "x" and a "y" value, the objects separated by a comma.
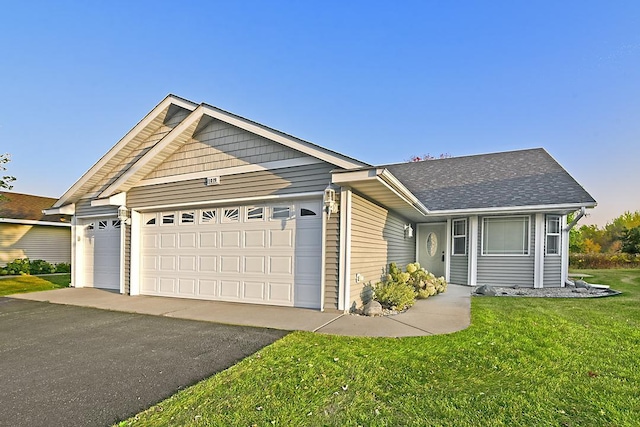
[
  {"x": 581, "y": 284},
  {"x": 372, "y": 308},
  {"x": 581, "y": 290},
  {"x": 486, "y": 290}
]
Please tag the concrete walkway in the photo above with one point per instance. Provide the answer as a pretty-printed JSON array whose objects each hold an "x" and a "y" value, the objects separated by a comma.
[{"x": 441, "y": 314}]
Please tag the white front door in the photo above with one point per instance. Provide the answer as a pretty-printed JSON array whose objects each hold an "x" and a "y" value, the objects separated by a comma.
[
  {"x": 432, "y": 246},
  {"x": 102, "y": 253},
  {"x": 265, "y": 253}
]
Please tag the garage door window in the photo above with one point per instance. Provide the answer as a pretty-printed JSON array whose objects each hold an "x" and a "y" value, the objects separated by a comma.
[
  {"x": 102, "y": 225},
  {"x": 168, "y": 218},
  {"x": 281, "y": 212},
  {"x": 231, "y": 215},
  {"x": 307, "y": 212},
  {"x": 208, "y": 217},
  {"x": 255, "y": 213},
  {"x": 149, "y": 219},
  {"x": 187, "y": 218},
  {"x": 115, "y": 223}
]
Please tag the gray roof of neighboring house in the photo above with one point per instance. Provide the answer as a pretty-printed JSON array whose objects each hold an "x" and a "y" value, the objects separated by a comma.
[{"x": 510, "y": 179}]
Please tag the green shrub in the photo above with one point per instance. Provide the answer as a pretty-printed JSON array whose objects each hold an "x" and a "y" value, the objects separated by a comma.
[
  {"x": 40, "y": 266},
  {"x": 18, "y": 266},
  {"x": 394, "y": 295},
  {"x": 63, "y": 267},
  {"x": 603, "y": 260},
  {"x": 424, "y": 283}
]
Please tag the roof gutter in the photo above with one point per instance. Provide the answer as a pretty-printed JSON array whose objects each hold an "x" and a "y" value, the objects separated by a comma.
[{"x": 403, "y": 192}]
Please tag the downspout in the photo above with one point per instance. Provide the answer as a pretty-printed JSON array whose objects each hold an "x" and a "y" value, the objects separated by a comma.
[{"x": 583, "y": 212}]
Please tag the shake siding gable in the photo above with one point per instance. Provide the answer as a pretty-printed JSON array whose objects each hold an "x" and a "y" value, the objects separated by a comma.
[
  {"x": 377, "y": 239},
  {"x": 507, "y": 270},
  {"x": 219, "y": 146},
  {"x": 277, "y": 182}
]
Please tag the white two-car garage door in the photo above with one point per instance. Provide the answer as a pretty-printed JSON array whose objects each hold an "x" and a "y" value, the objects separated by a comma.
[{"x": 261, "y": 253}]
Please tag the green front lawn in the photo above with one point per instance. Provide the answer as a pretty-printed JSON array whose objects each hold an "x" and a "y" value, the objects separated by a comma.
[
  {"x": 523, "y": 362},
  {"x": 21, "y": 284}
]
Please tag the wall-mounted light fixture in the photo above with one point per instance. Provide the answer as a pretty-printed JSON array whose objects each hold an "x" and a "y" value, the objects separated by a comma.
[
  {"x": 408, "y": 231},
  {"x": 329, "y": 200},
  {"x": 123, "y": 215}
]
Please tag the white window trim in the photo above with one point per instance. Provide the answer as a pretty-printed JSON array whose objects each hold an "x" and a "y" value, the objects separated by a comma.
[
  {"x": 558, "y": 235},
  {"x": 482, "y": 253},
  {"x": 454, "y": 237}
]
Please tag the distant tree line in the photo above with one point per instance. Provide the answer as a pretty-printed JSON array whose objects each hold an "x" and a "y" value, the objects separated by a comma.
[{"x": 622, "y": 235}]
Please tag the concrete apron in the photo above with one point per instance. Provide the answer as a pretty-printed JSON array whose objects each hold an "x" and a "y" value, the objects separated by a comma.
[{"x": 441, "y": 314}]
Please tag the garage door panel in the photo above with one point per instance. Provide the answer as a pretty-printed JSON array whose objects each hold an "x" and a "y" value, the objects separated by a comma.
[
  {"x": 281, "y": 293},
  {"x": 209, "y": 239},
  {"x": 167, "y": 285},
  {"x": 208, "y": 288},
  {"x": 307, "y": 265},
  {"x": 254, "y": 264},
  {"x": 187, "y": 240},
  {"x": 187, "y": 263},
  {"x": 254, "y": 239},
  {"x": 101, "y": 253},
  {"x": 229, "y": 288},
  {"x": 280, "y": 265},
  {"x": 281, "y": 239},
  {"x": 168, "y": 240},
  {"x": 149, "y": 241},
  {"x": 208, "y": 263},
  {"x": 254, "y": 291},
  {"x": 229, "y": 264},
  {"x": 167, "y": 263},
  {"x": 230, "y": 239},
  {"x": 187, "y": 287},
  {"x": 149, "y": 263},
  {"x": 307, "y": 237}
]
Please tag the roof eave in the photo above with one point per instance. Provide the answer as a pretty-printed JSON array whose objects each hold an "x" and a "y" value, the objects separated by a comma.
[{"x": 568, "y": 207}]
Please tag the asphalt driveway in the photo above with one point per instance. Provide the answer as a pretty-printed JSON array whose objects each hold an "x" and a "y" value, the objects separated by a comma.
[{"x": 65, "y": 365}]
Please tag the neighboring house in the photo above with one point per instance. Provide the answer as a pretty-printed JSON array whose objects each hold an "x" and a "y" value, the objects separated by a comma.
[
  {"x": 25, "y": 232},
  {"x": 197, "y": 202}
]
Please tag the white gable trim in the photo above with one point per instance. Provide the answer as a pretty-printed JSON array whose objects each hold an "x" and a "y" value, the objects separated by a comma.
[
  {"x": 119, "y": 199},
  {"x": 69, "y": 209},
  {"x": 256, "y": 167},
  {"x": 166, "y": 103}
]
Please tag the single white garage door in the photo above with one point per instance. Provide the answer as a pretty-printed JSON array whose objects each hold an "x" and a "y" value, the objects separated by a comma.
[
  {"x": 102, "y": 253},
  {"x": 261, "y": 253}
]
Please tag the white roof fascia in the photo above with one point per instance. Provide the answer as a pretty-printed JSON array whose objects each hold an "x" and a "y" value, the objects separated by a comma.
[
  {"x": 34, "y": 222},
  {"x": 165, "y": 103},
  {"x": 153, "y": 152},
  {"x": 513, "y": 209},
  {"x": 288, "y": 141},
  {"x": 69, "y": 209},
  {"x": 119, "y": 199},
  {"x": 403, "y": 191}
]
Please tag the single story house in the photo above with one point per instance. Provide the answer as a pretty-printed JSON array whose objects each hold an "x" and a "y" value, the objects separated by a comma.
[
  {"x": 25, "y": 232},
  {"x": 197, "y": 202}
]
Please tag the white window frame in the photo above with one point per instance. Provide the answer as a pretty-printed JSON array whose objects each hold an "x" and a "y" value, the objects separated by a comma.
[
  {"x": 511, "y": 217},
  {"x": 556, "y": 235},
  {"x": 455, "y": 236}
]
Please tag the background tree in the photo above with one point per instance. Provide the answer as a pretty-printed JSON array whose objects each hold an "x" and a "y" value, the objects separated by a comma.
[
  {"x": 631, "y": 241},
  {"x": 6, "y": 180},
  {"x": 416, "y": 158}
]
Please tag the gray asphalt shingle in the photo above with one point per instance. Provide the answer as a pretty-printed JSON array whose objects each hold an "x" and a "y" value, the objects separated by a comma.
[{"x": 509, "y": 179}]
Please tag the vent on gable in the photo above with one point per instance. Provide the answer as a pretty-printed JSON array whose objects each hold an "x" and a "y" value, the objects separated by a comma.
[{"x": 213, "y": 180}]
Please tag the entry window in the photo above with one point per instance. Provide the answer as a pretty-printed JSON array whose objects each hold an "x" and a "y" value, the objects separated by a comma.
[
  {"x": 281, "y": 212},
  {"x": 459, "y": 235},
  {"x": 231, "y": 215},
  {"x": 187, "y": 217},
  {"x": 506, "y": 236},
  {"x": 553, "y": 235},
  {"x": 208, "y": 216},
  {"x": 168, "y": 218},
  {"x": 255, "y": 213}
]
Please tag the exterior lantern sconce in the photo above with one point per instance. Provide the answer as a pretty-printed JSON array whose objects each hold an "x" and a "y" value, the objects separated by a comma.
[
  {"x": 123, "y": 215},
  {"x": 329, "y": 200},
  {"x": 408, "y": 231}
]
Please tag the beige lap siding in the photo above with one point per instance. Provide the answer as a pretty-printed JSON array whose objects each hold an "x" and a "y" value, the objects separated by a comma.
[
  {"x": 332, "y": 262},
  {"x": 377, "y": 238}
]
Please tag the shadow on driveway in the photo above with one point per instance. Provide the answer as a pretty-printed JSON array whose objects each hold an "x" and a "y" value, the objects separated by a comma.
[{"x": 64, "y": 365}]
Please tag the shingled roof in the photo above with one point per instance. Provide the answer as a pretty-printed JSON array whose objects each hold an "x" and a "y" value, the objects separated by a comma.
[
  {"x": 509, "y": 179},
  {"x": 17, "y": 206}
]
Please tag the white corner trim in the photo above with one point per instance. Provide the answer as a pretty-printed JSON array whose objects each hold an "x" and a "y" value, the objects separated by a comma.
[
  {"x": 564, "y": 244},
  {"x": 150, "y": 117},
  {"x": 288, "y": 141},
  {"x": 119, "y": 199},
  {"x": 447, "y": 258},
  {"x": 473, "y": 250},
  {"x": 257, "y": 167},
  {"x": 136, "y": 253},
  {"x": 123, "y": 234},
  {"x": 239, "y": 200},
  {"x": 345, "y": 249},
  {"x": 538, "y": 271},
  {"x": 34, "y": 222},
  {"x": 323, "y": 258}
]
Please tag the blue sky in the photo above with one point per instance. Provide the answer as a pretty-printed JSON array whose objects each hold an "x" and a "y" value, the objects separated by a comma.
[{"x": 379, "y": 81}]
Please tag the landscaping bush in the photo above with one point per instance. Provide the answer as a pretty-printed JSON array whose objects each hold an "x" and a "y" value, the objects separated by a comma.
[
  {"x": 394, "y": 295},
  {"x": 600, "y": 260},
  {"x": 40, "y": 266},
  {"x": 18, "y": 266},
  {"x": 63, "y": 267}
]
